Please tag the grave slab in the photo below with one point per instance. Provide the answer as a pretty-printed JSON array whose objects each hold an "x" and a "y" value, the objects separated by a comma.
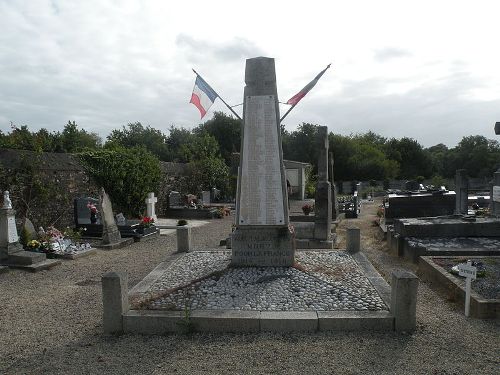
[{"x": 453, "y": 287}]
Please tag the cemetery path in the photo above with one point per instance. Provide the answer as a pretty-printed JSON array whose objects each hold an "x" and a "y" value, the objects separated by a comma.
[{"x": 51, "y": 324}]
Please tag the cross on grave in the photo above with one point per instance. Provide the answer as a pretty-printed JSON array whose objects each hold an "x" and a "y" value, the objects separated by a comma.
[
  {"x": 150, "y": 205},
  {"x": 469, "y": 272}
]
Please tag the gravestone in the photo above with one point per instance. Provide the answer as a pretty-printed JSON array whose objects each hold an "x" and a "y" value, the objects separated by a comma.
[
  {"x": 12, "y": 253},
  {"x": 461, "y": 191},
  {"x": 205, "y": 197},
  {"x": 261, "y": 237},
  {"x": 110, "y": 233},
  {"x": 120, "y": 219},
  {"x": 412, "y": 185},
  {"x": 82, "y": 212},
  {"x": 174, "y": 199},
  {"x": 323, "y": 196},
  {"x": 150, "y": 206}
]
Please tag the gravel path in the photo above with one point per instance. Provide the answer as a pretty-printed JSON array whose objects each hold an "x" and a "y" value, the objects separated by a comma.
[{"x": 51, "y": 324}]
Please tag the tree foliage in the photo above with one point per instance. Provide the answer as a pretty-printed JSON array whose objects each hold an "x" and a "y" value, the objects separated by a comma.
[{"x": 127, "y": 175}]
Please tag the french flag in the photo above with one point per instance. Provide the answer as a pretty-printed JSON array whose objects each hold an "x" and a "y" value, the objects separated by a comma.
[
  {"x": 296, "y": 98},
  {"x": 203, "y": 95}
]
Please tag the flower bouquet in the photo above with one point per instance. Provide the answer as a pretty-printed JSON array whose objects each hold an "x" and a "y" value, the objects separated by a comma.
[{"x": 307, "y": 208}]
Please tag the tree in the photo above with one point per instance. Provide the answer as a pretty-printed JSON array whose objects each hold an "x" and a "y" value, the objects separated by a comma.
[
  {"x": 175, "y": 140},
  {"x": 127, "y": 175},
  {"x": 478, "y": 155},
  {"x": 227, "y": 132},
  {"x": 135, "y": 134},
  {"x": 410, "y": 155},
  {"x": 73, "y": 139}
]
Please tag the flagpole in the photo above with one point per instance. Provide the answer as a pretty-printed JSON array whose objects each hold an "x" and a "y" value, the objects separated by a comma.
[
  {"x": 287, "y": 112},
  {"x": 227, "y": 105}
]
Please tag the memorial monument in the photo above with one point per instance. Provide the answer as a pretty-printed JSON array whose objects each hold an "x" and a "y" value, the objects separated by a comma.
[{"x": 262, "y": 236}]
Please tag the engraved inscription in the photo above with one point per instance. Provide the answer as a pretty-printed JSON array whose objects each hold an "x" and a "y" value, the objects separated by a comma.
[{"x": 261, "y": 196}]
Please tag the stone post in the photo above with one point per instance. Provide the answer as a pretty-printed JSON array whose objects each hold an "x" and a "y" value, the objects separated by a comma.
[
  {"x": 335, "y": 204},
  {"x": 353, "y": 240},
  {"x": 404, "y": 287},
  {"x": 183, "y": 239},
  {"x": 114, "y": 301},
  {"x": 495, "y": 194},
  {"x": 323, "y": 197},
  {"x": 461, "y": 190}
]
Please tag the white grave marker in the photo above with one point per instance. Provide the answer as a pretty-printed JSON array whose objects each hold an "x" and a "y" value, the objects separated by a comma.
[
  {"x": 150, "y": 206},
  {"x": 469, "y": 272}
]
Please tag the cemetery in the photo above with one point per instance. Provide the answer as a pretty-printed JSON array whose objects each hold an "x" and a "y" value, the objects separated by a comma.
[{"x": 214, "y": 276}]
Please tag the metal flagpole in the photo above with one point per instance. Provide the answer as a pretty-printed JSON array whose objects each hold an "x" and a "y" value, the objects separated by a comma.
[
  {"x": 227, "y": 105},
  {"x": 287, "y": 112}
]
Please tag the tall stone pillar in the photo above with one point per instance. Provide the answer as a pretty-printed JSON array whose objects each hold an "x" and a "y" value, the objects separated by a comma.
[
  {"x": 461, "y": 190},
  {"x": 335, "y": 204},
  {"x": 323, "y": 197},
  {"x": 261, "y": 237}
]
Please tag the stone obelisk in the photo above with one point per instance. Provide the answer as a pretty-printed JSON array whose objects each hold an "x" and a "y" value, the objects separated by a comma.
[{"x": 262, "y": 236}]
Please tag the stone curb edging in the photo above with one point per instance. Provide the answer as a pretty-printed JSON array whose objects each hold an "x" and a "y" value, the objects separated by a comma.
[
  {"x": 161, "y": 322},
  {"x": 433, "y": 273}
]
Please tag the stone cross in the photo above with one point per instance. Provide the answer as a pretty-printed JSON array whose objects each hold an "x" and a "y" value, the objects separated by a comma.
[{"x": 150, "y": 206}]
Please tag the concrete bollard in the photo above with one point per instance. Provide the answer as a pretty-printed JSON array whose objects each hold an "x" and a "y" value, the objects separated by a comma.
[
  {"x": 183, "y": 239},
  {"x": 353, "y": 240},
  {"x": 114, "y": 301},
  {"x": 404, "y": 300}
]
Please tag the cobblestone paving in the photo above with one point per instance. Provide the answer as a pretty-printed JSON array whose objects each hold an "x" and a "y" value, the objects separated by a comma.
[{"x": 321, "y": 281}]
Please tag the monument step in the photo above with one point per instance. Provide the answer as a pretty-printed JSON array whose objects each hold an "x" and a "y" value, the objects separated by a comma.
[{"x": 46, "y": 264}]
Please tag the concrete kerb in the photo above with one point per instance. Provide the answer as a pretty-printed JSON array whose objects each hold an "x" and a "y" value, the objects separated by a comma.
[
  {"x": 437, "y": 276},
  {"x": 162, "y": 322}
]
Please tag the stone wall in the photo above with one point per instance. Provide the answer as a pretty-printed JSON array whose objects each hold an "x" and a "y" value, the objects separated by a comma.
[{"x": 70, "y": 180}]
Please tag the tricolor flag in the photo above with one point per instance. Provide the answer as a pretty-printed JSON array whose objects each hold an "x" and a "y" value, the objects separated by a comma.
[
  {"x": 296, "y": 98},
  {"x": 203, "y": 95}
]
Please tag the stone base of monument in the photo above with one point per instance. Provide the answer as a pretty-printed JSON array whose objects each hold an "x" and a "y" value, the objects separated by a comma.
[
  {"x": 262, "y": 246},
  {"x": 305, "y": 237},
  {"x": 201, "y": 291}
]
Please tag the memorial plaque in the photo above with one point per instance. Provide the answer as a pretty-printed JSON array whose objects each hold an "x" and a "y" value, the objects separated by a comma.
[{"x": 261, "y": 198}]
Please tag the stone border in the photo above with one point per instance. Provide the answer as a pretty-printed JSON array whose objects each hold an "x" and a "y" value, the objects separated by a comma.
[
  {"x": 435, "y": 274},
  {"x": 118, "y": 318}
]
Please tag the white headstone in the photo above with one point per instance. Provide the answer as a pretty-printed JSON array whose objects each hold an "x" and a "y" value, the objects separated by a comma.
[{"x": 150, "y": 205}]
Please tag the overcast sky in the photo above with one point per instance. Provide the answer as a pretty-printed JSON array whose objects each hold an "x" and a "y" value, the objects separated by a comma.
[{"x": 429, "y": 70}]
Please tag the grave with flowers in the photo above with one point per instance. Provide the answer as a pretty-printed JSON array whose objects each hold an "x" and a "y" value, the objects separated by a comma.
[
  {"x": 88, "y": 220},
  {"x": 67, "y": 244}
]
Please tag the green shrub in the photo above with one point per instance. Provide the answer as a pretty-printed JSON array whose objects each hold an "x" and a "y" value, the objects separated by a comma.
[{"x": 127, "y": 175}]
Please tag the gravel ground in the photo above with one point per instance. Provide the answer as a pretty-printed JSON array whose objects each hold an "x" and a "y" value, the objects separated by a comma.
[{"x": 51, "y": 324}]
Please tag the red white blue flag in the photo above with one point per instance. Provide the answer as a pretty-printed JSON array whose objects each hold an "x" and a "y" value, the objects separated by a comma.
[
  {"x": 296, "y": 98},
  {"x": 203, "y": 95}
]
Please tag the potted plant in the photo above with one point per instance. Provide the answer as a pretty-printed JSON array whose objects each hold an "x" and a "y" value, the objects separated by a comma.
[
  {"x": 307, "y": 208},
  {"x": 147, "y": 225}
]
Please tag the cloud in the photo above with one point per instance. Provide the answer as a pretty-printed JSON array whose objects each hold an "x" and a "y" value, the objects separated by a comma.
[
  {"x": 390, "y": 53},
  {"x": 235, "y": 50}
]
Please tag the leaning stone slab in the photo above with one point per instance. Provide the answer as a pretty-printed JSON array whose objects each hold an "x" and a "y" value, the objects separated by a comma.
[
  {"x": 289, "y": 321},
  {"x": 355, "y": 321}
]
